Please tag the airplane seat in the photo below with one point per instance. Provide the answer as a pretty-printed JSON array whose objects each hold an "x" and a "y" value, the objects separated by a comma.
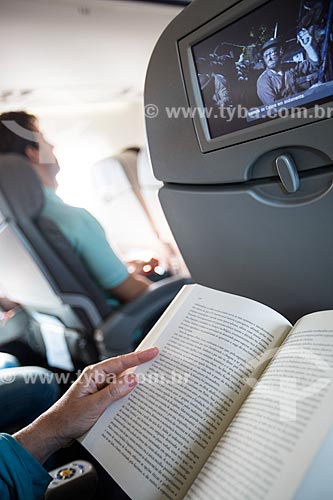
[
  {"x": 40, "y": 270},
  {"x": 25, "y": 199},
  {"x": 248, "y": 197},
  {"x": 247, "y": 188}
]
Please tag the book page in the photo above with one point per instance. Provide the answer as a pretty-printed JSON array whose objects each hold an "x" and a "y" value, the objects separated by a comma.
[
  {"x": 271, "y": 442},
  {"x": 155, "y": 441}
]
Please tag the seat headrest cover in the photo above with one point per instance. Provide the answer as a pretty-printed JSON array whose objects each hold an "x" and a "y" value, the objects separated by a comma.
[{"x": 20, "y": 186}]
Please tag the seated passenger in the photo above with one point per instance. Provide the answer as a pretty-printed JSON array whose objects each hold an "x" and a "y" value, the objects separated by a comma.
[
  {"x": 81, "y": 229},
  {"x": 21, "y": 475},
  {"x": 280, "y": 80}
]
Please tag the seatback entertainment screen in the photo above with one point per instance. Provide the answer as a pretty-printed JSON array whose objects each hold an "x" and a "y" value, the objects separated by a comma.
[{"x": 274, "y": 61}]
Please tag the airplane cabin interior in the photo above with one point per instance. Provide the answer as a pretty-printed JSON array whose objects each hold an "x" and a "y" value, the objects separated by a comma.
[{"x": 193, "y": 139}]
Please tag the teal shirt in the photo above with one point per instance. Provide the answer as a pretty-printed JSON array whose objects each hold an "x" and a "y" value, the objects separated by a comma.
[
  {"x": 21, "y": 476},
  {"x": 88, "y": 239}
]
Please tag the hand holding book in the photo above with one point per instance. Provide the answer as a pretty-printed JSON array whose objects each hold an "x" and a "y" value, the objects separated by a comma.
[{"x": 195, "y": 409}]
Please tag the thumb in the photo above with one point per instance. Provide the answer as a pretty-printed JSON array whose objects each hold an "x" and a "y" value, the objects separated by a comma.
[{"x": 114, "y": 391}]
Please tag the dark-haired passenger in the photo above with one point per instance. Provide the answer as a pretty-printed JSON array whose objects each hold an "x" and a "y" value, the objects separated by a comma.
[{"x": 20, "y": 134}]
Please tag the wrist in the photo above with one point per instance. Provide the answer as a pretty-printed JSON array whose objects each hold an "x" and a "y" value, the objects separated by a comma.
[{"x": 41, "y": 438}]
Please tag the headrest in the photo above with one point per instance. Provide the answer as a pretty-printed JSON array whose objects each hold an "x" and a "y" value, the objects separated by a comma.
[{"x": 20, "y": 186}]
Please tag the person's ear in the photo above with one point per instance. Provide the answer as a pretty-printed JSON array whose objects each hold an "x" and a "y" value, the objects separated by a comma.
[{"x": 32, "y": 154}]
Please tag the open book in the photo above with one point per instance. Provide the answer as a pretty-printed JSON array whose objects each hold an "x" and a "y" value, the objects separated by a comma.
[{"x": 235, "y": 406}]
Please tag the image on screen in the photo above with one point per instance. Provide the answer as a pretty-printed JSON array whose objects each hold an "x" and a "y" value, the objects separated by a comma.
[{"x": 278, "y": 57}]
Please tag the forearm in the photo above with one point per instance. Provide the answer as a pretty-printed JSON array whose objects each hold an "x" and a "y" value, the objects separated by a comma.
[
  {"x": 134, "y": 286},
  {"x": 142, "y": 283},
  {"x": 40, "y": 438},
  {"x": 139, "y": 285},
  {"x": 312, "y": 54}
]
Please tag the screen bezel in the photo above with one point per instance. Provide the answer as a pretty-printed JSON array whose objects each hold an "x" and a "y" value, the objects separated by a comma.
[{"x": 193, "y": 92}]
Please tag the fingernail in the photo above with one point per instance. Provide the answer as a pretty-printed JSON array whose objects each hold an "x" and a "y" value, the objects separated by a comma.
[
  {"x": 131, "y": 380},
  {"x": 153, "y": 350},
  {"x": 150, "y": 351}
]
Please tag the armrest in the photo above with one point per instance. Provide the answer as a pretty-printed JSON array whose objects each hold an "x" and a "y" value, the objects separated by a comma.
[
  {"x": 117, "y": 331},
  {"x": 77, "y": 479}
]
